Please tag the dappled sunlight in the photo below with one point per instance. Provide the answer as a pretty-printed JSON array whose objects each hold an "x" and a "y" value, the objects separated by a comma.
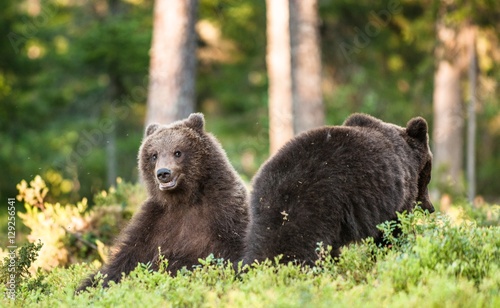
[
  {"x": 217, "y": 48},
  {"x": 72, "y": 233},
  {"x": 81, "y": 80}
]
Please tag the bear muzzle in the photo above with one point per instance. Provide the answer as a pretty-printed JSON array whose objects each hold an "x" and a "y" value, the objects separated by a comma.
[
  {"x": 426, "y": 204},
  {"x": 166, "y": 179}
]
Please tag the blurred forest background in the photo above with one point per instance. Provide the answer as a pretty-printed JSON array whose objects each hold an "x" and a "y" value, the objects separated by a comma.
[{"x": 75, "y": 78}]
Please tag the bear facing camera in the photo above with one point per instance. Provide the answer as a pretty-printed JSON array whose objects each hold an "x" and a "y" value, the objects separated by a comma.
[
  {"x": 197, "y": 203},
  {"x": 334, "y": 185}
]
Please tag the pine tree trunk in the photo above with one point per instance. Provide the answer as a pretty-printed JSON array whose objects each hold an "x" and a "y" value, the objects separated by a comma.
[
  {"x": 448, "y": 134},
  {"x": 279, "y": 71},
  {"x": 471, "y": 128},
  {"x": 116, "y": 90},
  {"x": 173, "y": 62},
  {"x": 448, "y": 122},
  {"x": 306, "y": 65}
]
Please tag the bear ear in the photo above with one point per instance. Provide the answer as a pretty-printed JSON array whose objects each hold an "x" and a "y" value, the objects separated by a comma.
[
  {"x": 196, "y": 121},
  {"x": 151, "y": 129},
  {"x": 361, "y": 119},
  {"x": 417, "y": 128}
]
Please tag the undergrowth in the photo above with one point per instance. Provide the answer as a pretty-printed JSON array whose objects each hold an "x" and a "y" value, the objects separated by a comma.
[{"x": 435, "y": 262}]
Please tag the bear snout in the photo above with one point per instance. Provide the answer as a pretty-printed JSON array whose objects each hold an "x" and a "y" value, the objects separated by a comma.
[
  {"x": 163, "y": 175},
  {"x": 430, "y": 207},
  {"x": 426, "y": 204}
]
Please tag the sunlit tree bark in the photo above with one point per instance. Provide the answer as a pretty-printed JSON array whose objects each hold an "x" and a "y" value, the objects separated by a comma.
[
  {"x": 173, "y": 61},
  {"x": 471, "y": 115},
  {"x": 306, "y": 65},
  {"x": 279, "y": 70},
  {"x": 448, "y": 134}
]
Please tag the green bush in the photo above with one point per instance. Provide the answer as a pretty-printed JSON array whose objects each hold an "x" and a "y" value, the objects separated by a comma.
[
  {"x": 74, "y": 233},
  {"x": 435, "y": 262},
  {"x": 482, "y": 214},
  {"x": 15, "y": 272},
  {"x": 433, "y": 244},
  {"x": 127, "y": 195}
]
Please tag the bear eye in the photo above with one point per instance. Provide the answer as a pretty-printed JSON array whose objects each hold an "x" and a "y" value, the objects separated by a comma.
[
  {"x": 154, "y": 157},
  {"x": 177, "y": 153}
]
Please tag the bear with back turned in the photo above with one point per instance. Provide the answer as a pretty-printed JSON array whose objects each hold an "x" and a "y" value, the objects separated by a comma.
[
  {"x": 334, "y": 185},
  {"x": 197, "y": 203}
]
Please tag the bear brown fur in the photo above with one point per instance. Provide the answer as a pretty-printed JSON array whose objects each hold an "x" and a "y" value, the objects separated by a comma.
[
  {"x": 197, "y": 203},
  {"x": 333, "y": 185}
]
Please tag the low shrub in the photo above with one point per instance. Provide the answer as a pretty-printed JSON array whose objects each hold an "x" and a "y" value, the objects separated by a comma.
[
  {"x": 15, "y": 272},
  {"x": 435, "y": 261},
  {"x": 73, "y": 233}
]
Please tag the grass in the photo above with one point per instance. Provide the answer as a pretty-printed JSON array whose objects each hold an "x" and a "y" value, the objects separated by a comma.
[{"x": 435, "y": 263}]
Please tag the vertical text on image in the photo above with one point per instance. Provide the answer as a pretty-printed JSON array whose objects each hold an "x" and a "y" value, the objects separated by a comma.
[{"x": 11, "y": 237}]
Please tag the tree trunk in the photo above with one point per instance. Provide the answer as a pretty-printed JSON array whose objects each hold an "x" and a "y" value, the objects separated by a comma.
[
  {"x": 173, "y": 62},
  {"x": 447, "y": 103},
  {"x": 116, "y": 90},
  {"x": 471, "y": 128},
  {"x": 448, "y": 122},
  {"x": 306, "y": 65},
  {"x": 279, "y": 70},
  {"x": 112, "y": 169}
]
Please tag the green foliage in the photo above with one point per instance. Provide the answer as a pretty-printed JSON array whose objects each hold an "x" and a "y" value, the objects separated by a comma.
[
  {"x": 434, "y": 262},
  {"x": 435, "y": 245},
  {"x": 16, "y": 267},
  {"x": 357, "y": 260},
  {"x": 483, "y": 214},
  {"x": 73, "y": 233},
  {"x": 126, "y": 195}
]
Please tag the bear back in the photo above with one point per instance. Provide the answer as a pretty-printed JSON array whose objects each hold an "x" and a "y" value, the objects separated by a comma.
[{"x": 333, "y": 185}]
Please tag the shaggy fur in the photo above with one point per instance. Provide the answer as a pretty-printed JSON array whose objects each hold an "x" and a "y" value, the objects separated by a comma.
[
  {"x": 197, "y": 204},
  {"x": 335, "y": 185}
]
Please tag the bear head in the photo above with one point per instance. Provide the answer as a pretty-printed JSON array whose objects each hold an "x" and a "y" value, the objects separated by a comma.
[
  {"x": 415, "y": 137},
  {"x": 170, "y": 155}
]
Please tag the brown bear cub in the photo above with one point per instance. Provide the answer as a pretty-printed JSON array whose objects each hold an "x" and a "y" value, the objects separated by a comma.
[
  {"x": 197, "y": 203},
  {"x": 334, "y": 185}
]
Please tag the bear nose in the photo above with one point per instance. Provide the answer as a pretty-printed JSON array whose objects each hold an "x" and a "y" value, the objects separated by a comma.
[
  {"x": 431, "y": 208},
  {"x": 163, "y": 174}
]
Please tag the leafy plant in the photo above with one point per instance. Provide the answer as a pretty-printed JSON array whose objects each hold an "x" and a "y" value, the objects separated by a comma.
[
  {"x": 15, "y": 270},
  {"x": 72, "y": 233},
  {"x": 434, "y": 244},
  {"x": 434, "y": 262},
  {"x": 127, "y": 195}
]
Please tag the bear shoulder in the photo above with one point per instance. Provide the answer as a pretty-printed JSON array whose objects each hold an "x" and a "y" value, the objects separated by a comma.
[{"x": 362, "y": 120}]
